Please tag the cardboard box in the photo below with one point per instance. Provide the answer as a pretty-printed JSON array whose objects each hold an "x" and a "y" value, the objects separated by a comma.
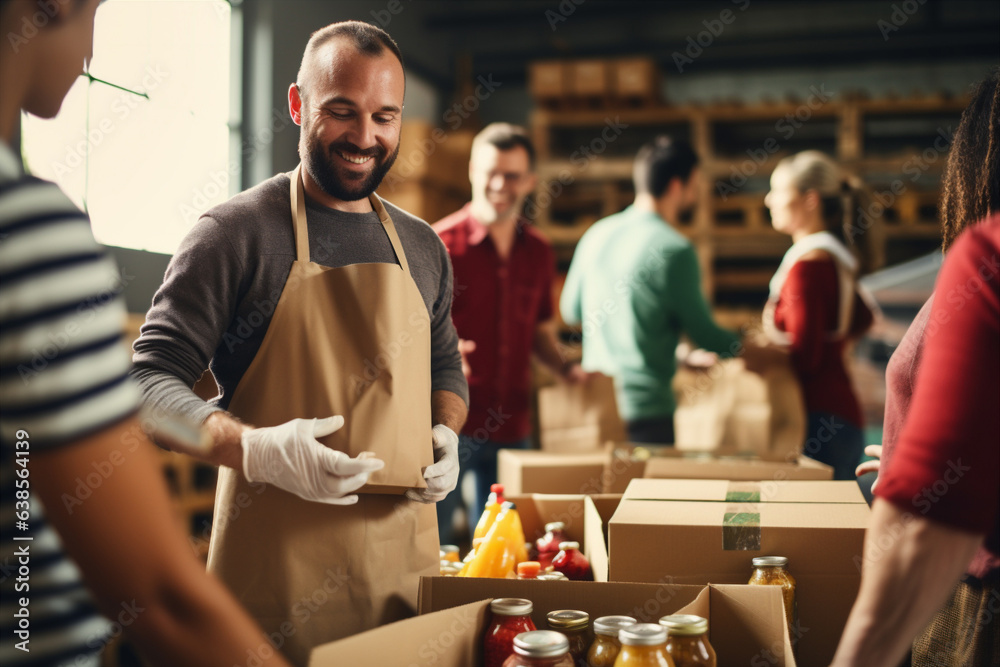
[
  {"x": 683, "y": 465},
  {"x": 701, "y": 531},
  {"x": 586, "y": 519},
  {"x": 746, "y": 623},
  {"x": 531, "y": 471}
]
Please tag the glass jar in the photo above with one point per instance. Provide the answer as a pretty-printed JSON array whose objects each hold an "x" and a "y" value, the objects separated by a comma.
[
  {"x": 576, "y": 626},
  {"x": 643, "y": 645},
  {"x": 450, "y": 552},
  {"x": 771, "y": 571},
  {"x": 605, "y": 648},
  {"x": 571, "y": 562},
  {"x": 547, "y": 546},
  {"x": 541, "y": 648},
  {"x": 511, "y": 617},
  {"x": 687, "y": 641}
]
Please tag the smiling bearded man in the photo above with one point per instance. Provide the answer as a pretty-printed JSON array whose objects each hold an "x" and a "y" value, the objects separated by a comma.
[{"x": 339, "y": 328}]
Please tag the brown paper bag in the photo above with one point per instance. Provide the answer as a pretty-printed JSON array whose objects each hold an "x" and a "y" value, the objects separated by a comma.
[
  {"x": 579, "y": 417},
  {"x": 729, "y": 410}
]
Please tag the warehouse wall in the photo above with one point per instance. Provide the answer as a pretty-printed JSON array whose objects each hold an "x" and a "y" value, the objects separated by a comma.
[{"x": 768, "y": 51}]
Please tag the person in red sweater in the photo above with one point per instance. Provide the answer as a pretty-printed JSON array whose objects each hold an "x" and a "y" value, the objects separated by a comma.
[
  {"x": 814, "y": 308},
  {"x": 502, "y": 308},
  {"x": 939, "y": 501},
  {"x": 971, "y": 191}
]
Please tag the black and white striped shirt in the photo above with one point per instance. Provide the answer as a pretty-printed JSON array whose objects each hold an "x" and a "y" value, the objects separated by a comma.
[{"x": 63, "y": 376}]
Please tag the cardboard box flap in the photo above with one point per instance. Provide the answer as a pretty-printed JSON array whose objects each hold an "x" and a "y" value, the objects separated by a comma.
[
  {"x": 754, "y": 618},
  {"x": 679, "y": 465},
  {"x": 594, "y": 544},
  {"x": 415, "y": 641},
  {"x": 527, "y": 471},
  {"x": 721, "y": 490}
]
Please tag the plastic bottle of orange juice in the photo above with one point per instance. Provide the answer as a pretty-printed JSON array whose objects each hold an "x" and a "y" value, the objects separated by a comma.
[{"x": 490, "y": 512}]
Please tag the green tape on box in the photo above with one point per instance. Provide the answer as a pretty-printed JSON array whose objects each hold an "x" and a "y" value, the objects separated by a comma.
[
  {"x": 743, "y": 492},
  {"x": 741, "y": 528}
]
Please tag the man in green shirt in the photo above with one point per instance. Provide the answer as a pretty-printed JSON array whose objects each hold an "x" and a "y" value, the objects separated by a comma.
[{"x": 635, "y": 287}]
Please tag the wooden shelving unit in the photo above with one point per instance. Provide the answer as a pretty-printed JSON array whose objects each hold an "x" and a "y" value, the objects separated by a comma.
[{"x": 585, "y": 173}]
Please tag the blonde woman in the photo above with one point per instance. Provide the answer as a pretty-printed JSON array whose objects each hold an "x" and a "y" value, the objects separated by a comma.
[{"x": 814, "y": 308}]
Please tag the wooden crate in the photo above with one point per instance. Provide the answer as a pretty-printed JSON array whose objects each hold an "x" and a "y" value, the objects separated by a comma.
[
  {"x": 590, "y": 79},
  {"x": 636, "y": 79},
  {"x": 548, "y": 80}
]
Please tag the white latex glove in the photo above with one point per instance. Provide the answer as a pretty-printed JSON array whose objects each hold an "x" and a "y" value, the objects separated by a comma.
[
  {"x": 442, "y": 476},
  {"x": 290, "y": 457}
]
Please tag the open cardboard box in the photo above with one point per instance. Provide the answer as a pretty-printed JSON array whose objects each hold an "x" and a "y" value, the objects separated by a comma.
[
  {"x": 746, "y": 623},
  {"x": 708, "y": 531},
  {"x": 585, "y": 517}
]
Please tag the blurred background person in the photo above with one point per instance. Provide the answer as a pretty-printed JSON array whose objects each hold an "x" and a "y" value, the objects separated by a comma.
[
  {"x": 77, "y": 414},
  {"x": 635, "y": 286},
  {"x": 502, "y": 309},
  {"x": 814, "y": 309}
]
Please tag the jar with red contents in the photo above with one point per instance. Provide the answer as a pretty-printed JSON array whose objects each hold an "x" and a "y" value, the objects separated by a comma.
[
  {"x": 571, "y": 562},
  {"x": 541, "y": 648},
  {"x": 547, "y": 546},
  {"x": 511, "y": 617}
]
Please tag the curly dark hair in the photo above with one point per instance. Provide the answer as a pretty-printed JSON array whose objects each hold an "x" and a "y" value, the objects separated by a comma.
[{"x": 971, "y": 183}]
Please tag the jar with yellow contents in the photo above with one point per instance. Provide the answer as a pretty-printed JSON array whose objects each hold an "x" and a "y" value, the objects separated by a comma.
[
  {"x": 643, "y": 645},
  {"x": 773, "y": 571},
  {"x": 687, "y": 641},
  {"x": 606, "y": 646}
]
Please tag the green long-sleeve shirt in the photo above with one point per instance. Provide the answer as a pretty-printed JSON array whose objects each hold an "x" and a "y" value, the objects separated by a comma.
[{"x": 635, "y": 286}]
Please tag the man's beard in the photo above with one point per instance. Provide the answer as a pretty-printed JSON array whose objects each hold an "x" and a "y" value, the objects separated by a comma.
[{"x": 321, "y": 167}]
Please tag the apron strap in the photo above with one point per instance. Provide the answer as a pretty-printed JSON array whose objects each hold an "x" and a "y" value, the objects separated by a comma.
[
  {"x": 299, "y": 226},
  {"x": 301, "y": 230}
]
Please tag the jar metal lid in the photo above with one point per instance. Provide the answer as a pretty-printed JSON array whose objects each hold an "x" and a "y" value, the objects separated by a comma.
[
  {"x": 610, "y": 625},
  {"x": 541, "y": 644},
  {"x": 511, "y": 606},
  {"x": 552, "y": 576},
  {"x": 569, "y": 545},
  {"x": 643, "y": 634},
  {"x": 770, "y": 561},
  {"x": 555, "y": 525},
  {"x": 684, "y": 625},
  {"x": 568, "y": 619},
  {"x": 449, "y": 548}
]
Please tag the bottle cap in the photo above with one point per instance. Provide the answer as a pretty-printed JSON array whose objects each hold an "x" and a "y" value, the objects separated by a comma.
[
  {"x": 569, "y": 545},
  {"x": 643, "y": 634},
  {"x": 496, "y": 488},
  {"x": 529, "y": 568},
  {"x": 541, "y": 644},
  {"x": 449, "y": 548},
  {"x": 511, "y": 606},
  {"x": 554, "y": 526},
  {"x": 684, "y": 625},
  {"x": 610, "y": 625}
]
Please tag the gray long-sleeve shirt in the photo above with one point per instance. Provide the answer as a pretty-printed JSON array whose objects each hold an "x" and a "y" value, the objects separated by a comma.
[{"x": 222, "y": 286}]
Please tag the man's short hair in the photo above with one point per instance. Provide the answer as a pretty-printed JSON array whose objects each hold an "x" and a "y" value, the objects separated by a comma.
[
  {"x": 659, "y": 162},
  {"x": 365, "y": 37},
  {"x": 505, "y": 137}
]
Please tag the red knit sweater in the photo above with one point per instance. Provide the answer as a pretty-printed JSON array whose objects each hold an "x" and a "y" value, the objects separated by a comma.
[
  {"x": 808, "y": 309},
  {"x": 946, "y": 463}
]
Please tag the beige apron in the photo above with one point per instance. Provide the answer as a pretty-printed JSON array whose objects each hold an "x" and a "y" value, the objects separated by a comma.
[{"x": 309, "y": 572}]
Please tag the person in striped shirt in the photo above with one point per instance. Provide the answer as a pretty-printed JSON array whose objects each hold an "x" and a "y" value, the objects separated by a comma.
[{"x": 83, "y": 498}]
